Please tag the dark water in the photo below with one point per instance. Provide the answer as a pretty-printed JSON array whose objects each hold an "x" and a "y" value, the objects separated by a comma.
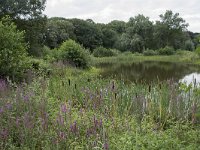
[{"x": 149, "y": 71}]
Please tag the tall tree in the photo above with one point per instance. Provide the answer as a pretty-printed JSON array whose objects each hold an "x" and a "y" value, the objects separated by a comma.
[
  {"x": 58, "y": 31},
  {"x": 117, "y": 26},
  {"x": 27, "y": 14},
  {"x": 143, "y": 27},
  {"x": 88, "y": 34},
  {"x": 170, "y": 30}
]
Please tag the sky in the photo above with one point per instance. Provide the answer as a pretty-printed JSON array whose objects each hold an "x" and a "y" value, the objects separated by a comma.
[{"x": 104, "y": 11}]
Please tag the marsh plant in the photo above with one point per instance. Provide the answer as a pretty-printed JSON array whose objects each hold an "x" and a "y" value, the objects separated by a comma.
[{"x": 68, "y": 111}]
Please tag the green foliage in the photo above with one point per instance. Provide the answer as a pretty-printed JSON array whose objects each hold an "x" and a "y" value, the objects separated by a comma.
[
  {"x": 58, "y": 31},
  {"x": 166, "y": 51},
  {"x": 109, "y": 38},
  {"x": 87, "y": 33},
  {"x": 198, "y": 51},
  {"x": 13, "y": 50},
  {"x": 189, "y": 45},
  {"x": 74, "y": 54},
  {"x": 40, "y": 66},
  {"x": 104, "y": 52},
  {"x": 28, "y": 16},
  {"x": 150, "y": 52},
  {"x": 73, "y": 109},
  {"x": 170, "y": 31}
]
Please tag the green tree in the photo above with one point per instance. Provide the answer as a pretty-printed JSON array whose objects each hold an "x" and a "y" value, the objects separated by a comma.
[
  {"x": 87, "y": 33},
  {"x": 170, "y": 30},
  {"x": 27, "y": 14},
  {"x": 75, "y": 54},
  {"x": 109, "y": 37},
  {"x": 143, "y": 27},
  {"x": 13, "y": 54},
  {"x": 117, "y": 26},
  {"x": 189, "y": 45},
  {"x": 58, "y": 31}
]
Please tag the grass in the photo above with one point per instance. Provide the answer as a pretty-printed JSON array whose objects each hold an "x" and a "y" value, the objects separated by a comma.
[
  {"x": 77, "y": 109},
  {"x": 180, "y": 56}
]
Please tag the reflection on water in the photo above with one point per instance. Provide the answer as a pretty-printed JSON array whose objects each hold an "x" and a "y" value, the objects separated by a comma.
[
  {"x": 148, "y": 71},
  {"x": 191, "y": 78}
]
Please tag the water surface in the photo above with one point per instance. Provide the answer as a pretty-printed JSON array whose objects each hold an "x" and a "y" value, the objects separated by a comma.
[{"x": 149, "y": 71}]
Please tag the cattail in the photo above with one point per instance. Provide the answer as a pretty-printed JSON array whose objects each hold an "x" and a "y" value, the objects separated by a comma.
[
  {"x": 75, "y": 86},
  {"x": 149, "y": 88},
  {"x": 69, "y": 82},
  {"x": 160, "y": 86},
  {"x": 113, "y": 85},
  {"x": 115, "y": 95},
  {"x": 195, "y": 82}
]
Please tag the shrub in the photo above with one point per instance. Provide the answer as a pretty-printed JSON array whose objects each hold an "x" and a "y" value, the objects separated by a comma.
[
  {"x": 40, "y": 66},
  {"x": 150, "y": 53},
  {"x": 166, "y": 51},
  {"x": 198, "y": 51},
  {"x": 104, "y": 52},
  {"x": 75, "y": 54},
  {"x": 127, "y": 53},
  {"x": 13, "y": 51},
  {"x": 189, "y": 45}
]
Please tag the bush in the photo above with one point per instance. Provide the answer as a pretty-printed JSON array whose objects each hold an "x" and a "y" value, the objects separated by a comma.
[
  {"x": 189, "y": 45},
  {"x": 104, "y": 52},
  {"x": 150, "y": 53},
  {"x": 75, "y": 54},
  {"x": 198, "y": 51},
  {"x": 40, "y": 66},
  {"x": 166, "y": 51},
  {"x": 13, "y": 51},
  {"x": 127, "y": 53}
]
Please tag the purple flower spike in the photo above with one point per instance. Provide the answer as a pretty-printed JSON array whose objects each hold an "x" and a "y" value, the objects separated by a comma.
[
  {"x": 3, "y": 85},
  {"x": 63, "y": 108},
  {"x": 60, "y": 120},
  {"x": 26, "y": 98},
  {"x": 9, "y": 106},
  {"x": 106, "y": 146},
  {"x": 4, "y": 134},
  {"x": 1, "y": 110}
]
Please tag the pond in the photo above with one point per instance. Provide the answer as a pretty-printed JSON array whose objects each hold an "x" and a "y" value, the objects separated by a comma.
[{"x": 149, "y": 71}]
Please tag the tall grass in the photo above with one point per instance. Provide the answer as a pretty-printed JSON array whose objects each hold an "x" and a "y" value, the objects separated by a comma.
[
  {"x": 179, "y": 56},
  {"x": 75, "y": 110}
]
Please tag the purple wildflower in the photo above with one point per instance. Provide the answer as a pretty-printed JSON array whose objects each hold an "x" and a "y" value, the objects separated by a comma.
[
  {"x": 74, "y": 128},
  {"x": 4, "y": 134},
  {"x": 60, "y": 120},
  {"x": 17, "y": 121},
  {"x": 62, "y": 135},
  {"x": 106, "y": 146},
  {"x": 63, "y": 108},
  {"x": 3, "y": 85},
  {"x": 9, "y": 106},
  {"x": 27, "y": 121},
  {"x": 26, "y": 98},
  {"x": 1, "y": 110}
]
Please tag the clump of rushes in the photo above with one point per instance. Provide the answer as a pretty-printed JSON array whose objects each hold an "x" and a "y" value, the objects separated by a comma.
[{"x": 63, "y": 113}]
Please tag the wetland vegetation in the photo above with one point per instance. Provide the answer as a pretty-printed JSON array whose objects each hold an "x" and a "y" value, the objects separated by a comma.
[{"x": 90, "y": 86}]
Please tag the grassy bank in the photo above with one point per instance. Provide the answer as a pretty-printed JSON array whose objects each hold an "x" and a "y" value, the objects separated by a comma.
[
  {"x": 185, "y": 56},
  {"x": 76, "y": 109}
]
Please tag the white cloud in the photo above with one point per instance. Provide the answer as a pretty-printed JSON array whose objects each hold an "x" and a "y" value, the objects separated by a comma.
[{"x": 108, "y": 10}]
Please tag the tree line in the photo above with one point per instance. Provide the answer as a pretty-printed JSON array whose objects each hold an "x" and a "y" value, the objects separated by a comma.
[{"x": 138, "y": 34}]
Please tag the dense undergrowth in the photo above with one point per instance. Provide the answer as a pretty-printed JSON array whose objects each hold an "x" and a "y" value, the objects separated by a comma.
[{"x": 76, "y": 109}]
